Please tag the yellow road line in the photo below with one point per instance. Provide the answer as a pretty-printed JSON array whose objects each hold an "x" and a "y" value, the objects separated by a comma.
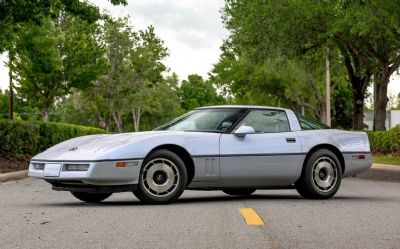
[{"x": 251, "y": 217}]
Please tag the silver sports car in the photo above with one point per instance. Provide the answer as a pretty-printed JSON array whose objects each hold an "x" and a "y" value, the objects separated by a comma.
[{"x": 236, "y": 149}]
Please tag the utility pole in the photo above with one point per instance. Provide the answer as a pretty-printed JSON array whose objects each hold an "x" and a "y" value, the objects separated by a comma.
[
  {"x": 11, "y": 93},
  {"x": 328, "y": 89}
]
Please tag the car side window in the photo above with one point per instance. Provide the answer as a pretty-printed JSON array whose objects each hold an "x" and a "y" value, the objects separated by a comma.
[{"x": 267, "y": 121}]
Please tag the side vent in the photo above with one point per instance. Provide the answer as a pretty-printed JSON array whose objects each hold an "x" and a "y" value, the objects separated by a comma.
[{"x": 211, "y": 167}]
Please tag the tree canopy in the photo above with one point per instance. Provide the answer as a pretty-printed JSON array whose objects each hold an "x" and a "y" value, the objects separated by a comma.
[{"x": 363, "y": 34}]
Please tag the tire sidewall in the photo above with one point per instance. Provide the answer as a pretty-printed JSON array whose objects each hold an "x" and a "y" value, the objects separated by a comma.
[
  {"x": 308, "y": 173},
  {"x": 145, "y": 196}
]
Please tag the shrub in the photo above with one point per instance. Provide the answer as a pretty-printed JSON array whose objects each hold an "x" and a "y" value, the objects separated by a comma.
[
  {"x": 29, "y": 138},
  {"x": 385, "y": 141}
]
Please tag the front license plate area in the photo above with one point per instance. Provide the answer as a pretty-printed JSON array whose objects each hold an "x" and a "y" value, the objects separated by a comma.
[{"x": 52, "y": 169}]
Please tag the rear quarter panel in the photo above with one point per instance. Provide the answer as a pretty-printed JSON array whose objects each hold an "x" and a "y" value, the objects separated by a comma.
[{"x": 349, "y": 143}]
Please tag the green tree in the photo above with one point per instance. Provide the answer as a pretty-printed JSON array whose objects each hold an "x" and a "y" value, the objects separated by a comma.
[
  {"x": 146, "y": 60},
  {"x": 3, "y": 104},
  {"x": 165, "y": 106},
  {"x": 118, "y": 38},
  {"x": 363, "y": 31},
  {"x": 136, "y": 65},
  {"x": 15, "y": 12},
  {"x": 52, "y": 60},
  {"x": 195, "y": 92},
  {"x": 277, "y": 80}
]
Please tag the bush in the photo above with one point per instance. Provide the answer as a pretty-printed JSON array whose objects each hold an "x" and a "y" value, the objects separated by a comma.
[
  {"x": 386, "y": 142},
  {"x": 30, "y": 138}
]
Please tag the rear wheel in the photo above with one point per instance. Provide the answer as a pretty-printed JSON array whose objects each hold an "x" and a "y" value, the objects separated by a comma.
[
  {"x": 239, "y": 191},
  {"x": 162, "y": 179},
  {"x": 321, "y": 176},
  {"x": 91, "y": 197}
]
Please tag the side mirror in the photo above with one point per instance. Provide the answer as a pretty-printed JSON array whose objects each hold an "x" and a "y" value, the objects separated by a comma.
[{"x": 242, "y": 131}]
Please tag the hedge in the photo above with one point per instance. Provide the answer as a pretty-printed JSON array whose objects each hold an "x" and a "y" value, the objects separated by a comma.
[
  {"x": 386, "y": 142},
  {"x": 30, "y": 138}
]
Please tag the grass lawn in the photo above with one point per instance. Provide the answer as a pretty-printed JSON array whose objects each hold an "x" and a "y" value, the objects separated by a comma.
[{"x": 394, "y": 160}]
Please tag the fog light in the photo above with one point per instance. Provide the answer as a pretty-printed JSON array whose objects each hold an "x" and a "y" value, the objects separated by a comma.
[
  {"x": 77, "y": 167},
  {"x": 38, "y": 166}
]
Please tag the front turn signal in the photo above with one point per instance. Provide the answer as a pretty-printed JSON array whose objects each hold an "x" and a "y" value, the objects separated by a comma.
[{"x": 120, "y": 164}]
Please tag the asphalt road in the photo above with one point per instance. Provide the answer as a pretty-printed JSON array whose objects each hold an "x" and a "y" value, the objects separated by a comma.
[{"x": 364, "y": 214}]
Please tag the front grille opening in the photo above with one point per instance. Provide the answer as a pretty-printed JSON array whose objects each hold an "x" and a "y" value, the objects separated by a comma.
[{"x": 60, "y": 183}]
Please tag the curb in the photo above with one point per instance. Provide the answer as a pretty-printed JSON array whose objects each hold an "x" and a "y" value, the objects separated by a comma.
[
  {"x": 386, "y": 167},
  {"x": 13, "y": 176}
]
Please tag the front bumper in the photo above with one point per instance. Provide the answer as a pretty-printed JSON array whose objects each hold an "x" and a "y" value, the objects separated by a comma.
[
  {"x": 79, "y": 186},
  {"x": 103, "y": 173}
]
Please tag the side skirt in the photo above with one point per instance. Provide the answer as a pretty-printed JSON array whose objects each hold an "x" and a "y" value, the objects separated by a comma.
[{"x": 255, "y": 187}]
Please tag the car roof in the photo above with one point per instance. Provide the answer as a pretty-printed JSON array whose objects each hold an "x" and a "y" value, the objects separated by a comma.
[{"x": 241, "y": 107}]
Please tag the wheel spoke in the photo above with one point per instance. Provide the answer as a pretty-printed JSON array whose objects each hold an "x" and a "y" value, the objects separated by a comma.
[
  {"x": 160, "y": 177},
  {"x": 324, "y": 174}
]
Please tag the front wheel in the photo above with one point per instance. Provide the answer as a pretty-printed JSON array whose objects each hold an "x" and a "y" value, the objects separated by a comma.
[
  {"x": 321, "y": 176},
  {"x": 162, "y": 179},
  {"x": 91, "y": 197},
  {"x": 239, "y": 191}
]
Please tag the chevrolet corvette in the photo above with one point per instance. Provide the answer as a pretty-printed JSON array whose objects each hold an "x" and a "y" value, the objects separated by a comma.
[{"x": 236, "y": 149}]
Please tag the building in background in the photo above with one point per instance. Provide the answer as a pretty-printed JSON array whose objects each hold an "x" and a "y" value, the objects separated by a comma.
[{"x": 392, "y": 119}]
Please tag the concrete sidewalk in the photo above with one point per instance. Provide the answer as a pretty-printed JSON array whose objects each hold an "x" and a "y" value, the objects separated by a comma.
[
  {"x": 12, "y": 176},
  {"x": 382, "y": 172},
  {"x": 386, "y": 167}
]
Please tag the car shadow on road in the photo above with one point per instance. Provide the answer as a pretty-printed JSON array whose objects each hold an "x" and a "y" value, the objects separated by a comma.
[
  {"x": 212, "y": 199},
  {"x": 272, "y": 198}
]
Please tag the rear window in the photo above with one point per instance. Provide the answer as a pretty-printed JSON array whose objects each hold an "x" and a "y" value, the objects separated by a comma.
[{"x": 310, "y": 124}]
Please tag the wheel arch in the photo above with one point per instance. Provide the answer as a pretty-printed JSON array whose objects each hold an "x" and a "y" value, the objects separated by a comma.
[
  {"x": 329, "y": 147},
  {"x": 183, "y": 154}
]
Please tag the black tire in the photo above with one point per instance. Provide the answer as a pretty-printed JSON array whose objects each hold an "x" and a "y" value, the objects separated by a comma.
[
  {"x": 321, "y": 176},
  {"x": 239, "y": 191},
  {"x": 161, "y": 169},
  {"x": 91, "y": 197}
]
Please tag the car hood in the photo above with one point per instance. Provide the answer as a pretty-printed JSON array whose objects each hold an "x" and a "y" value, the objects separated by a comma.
[{"x": 92, "y": 147}]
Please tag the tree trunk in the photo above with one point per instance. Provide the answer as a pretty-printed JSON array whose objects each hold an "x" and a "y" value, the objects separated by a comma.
[
  {"x": 137, "y": 114},
  {"x": 102, "y": 122},
  {"x": 358, "y": 110},
  {"x": 322, "y": 115},
  {"x": 359, "y": 74},
  {"x": 381, "y": 100},
  {"x": 46, "y": 114},
  {"x": 118, "y": 121}
]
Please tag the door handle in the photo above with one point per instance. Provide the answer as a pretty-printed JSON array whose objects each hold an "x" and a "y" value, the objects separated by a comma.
[{"x": 291, "y": 140}]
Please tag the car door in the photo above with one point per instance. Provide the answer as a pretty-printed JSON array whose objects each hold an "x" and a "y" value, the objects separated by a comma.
[{"x": 269, "y": 157}]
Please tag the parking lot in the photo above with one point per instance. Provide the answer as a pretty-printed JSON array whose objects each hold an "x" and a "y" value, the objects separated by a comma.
[{"x": 364, "y": 214}]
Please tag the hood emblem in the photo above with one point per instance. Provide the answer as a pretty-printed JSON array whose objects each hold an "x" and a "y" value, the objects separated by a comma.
[{"x": 73, "y": 148}]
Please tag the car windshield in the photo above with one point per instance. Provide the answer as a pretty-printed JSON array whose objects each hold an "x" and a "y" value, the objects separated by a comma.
[{"x": 206, "y": 120}]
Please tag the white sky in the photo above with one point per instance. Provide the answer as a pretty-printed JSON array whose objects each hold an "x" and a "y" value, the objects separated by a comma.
[{"x": 192, "y": 31}]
